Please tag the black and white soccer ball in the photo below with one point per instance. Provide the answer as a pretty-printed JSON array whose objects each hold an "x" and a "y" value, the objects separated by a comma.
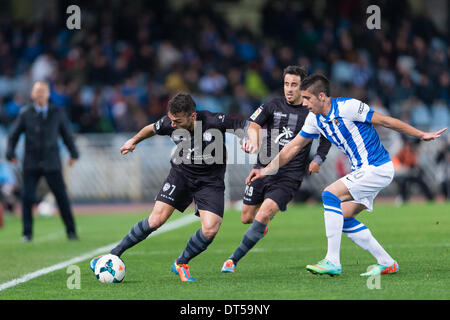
[{"x": 110, "y": 269}]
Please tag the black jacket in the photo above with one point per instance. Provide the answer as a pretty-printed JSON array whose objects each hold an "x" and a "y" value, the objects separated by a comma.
[{"x": 41, "y": 138}]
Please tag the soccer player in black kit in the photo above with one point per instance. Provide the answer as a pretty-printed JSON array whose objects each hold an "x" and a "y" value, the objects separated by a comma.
[
  {"x": 197, "y": 173},
  {"x": 284, "y": 118}
]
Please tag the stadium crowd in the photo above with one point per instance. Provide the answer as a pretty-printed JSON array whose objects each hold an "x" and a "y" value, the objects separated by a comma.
[{"x": 117, "y": 73}]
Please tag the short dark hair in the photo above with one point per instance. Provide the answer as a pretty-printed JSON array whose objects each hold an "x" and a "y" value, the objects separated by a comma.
[
  {"x": 315, "y": 84},
  {"x": 182, "y": 102},
  {"x": 296, "y": 70}
]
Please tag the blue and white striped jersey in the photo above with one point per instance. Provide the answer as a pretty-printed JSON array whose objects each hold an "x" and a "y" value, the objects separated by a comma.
[{"x": 348, "y": 126}]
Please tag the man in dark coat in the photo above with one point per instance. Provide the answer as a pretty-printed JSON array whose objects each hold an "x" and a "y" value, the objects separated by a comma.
[{"x": 42, "y": 123}]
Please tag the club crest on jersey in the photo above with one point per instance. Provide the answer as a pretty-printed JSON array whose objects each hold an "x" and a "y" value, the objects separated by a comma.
[
  {"x": 256, "y": 113},
  {"x": 336, "y": 121},
  {"x": 166, "y": 187}
]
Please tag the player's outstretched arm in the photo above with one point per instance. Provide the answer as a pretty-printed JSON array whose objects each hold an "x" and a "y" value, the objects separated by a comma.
[
  {"x": 403, "y": 127},
  {"x": 144, "y": 133},
  {"x": 286, "y": 154}
]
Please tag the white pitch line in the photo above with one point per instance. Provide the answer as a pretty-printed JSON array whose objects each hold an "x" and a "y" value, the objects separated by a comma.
[{"x": 165, "y": 228}]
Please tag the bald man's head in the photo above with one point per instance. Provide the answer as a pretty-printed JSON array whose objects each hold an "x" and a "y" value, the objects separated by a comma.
[{"x": 40, "y": 93}]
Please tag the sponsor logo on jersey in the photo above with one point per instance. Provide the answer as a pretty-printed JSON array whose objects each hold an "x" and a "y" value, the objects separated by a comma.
[
  {"x": 361, "y": 108},
  {"x": 287, "y": 134},
  {"x": 280, "y": 114}
]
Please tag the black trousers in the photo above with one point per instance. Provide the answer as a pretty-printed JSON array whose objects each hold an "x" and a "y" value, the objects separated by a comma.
[
  {"x": 56, "y": 184},
  {"x": 406, "y": 182}
]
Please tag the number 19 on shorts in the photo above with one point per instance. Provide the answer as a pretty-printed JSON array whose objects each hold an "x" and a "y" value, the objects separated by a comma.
[{"x": 248, "y": 190}]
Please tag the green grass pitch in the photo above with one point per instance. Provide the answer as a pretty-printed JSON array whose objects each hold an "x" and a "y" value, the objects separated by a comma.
[{"x": 416, "y": 235}]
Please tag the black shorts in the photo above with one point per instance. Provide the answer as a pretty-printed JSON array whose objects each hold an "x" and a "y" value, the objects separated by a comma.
[
  {"x": 179, "y": 191},
  {"x": 279, "y": 189}
]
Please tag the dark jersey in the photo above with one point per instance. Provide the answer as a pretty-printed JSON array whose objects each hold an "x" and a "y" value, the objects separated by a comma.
[
  {"x": 283, "y": 122},
  {"x": 201, "y": 153}
]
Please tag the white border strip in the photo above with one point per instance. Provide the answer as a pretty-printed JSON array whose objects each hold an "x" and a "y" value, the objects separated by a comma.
[{"x": 165, "y": 228}]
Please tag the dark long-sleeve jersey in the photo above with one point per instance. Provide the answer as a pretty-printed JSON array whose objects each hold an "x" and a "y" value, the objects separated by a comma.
[
  {"x": 283, "y": 122},
  {"x": 202, "y": 153}
]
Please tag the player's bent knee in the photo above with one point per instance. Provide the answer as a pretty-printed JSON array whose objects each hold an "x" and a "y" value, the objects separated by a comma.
[
  {"x": 263, "y": 217},
  {"x": 248, "y": 214},
  {"x": 329, "y": 195},
  {"x": 268, "y": 210},
  {"x": 154, "y": 223},
  {"x": 210, "y": 232},
  {"x": 156, "y": 220}
]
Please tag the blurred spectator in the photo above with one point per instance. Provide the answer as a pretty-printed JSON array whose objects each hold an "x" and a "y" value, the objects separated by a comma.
[
  {"x": 443, "y": 169},
  {"x": 440, "y": 115},
  {"x": 148, "y": 50},
  {"x": 385, "y": 79},
  {"x": 241, "y": 103},
  {"x": 167, "y": 55},
  {"x": 42, "y": 68},
  {"x": 175, "y": 82},
  {"x": 443, "y": 89},
  {"x": 255, "y": 85},
  {"x": 9, "y": 188},
  {"x": 12, "y": 108},
  {"x": 362, "y": 72},
  {"x": 420, "y": 114},
  {"x": 212, "y": 83},
  {"x": 408, "y": 171},
  {"x": 390, "y": 139}
]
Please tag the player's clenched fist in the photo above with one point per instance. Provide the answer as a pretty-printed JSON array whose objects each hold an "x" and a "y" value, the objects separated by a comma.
[
  {"x": 248, "y": 147},
  {"x": 314, "y": 167}
]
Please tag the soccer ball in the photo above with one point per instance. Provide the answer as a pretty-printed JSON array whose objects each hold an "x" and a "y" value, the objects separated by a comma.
[
  {"x": 110, "y": 269},
  {"x": 46, "y": 209}
]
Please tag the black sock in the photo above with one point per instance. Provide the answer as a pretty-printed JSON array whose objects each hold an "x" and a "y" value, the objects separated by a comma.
[
  {"x": 196, "y": 245},
  {"x": 139, "y": 232},
  {"x": 251, "y": 237}
]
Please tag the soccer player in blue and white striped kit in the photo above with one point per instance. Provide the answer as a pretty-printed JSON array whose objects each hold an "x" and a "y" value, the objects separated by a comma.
[{"x": 348, "y": 124}]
